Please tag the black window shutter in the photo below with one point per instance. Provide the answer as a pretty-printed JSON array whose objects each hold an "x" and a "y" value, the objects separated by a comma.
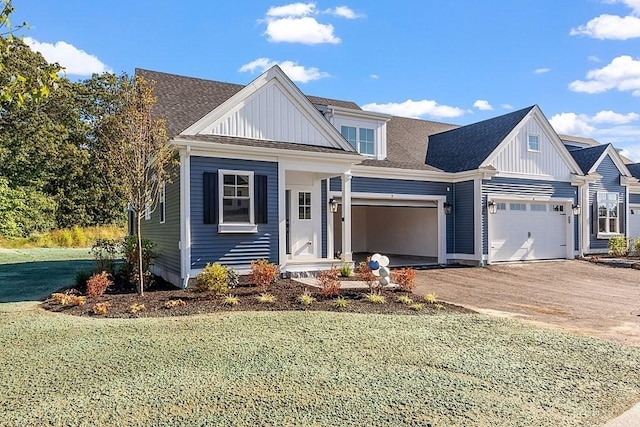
[
  {"x": 621, "y": 214},
  {"x": 210, "y": 192},
  {"x": 260, "y": 199}
]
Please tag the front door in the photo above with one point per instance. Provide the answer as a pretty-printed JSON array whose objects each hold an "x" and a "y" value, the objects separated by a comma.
[{"x": 301, "y": 222}]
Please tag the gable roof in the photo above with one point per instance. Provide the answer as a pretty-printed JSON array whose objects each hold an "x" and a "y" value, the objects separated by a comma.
[
  {"x": 578, "y": 139},
  {"x": 466, "y": 148},
  {"x": 587, "y": 157},
  {"x": 634, "y": 168},
  {"x": 182, "y": 101}
]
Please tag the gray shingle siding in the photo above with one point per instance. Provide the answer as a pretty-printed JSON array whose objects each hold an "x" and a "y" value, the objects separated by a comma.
[
  {"x": 610, "y": 182},
  {"x": 524, "y": 187},
  {"x": 166, "y": 236},
  {"x": 237, "y": 250},
  {"x": 463, "y": 218}
]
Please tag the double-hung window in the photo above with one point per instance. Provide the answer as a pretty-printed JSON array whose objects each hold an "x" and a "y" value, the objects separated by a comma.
[
  {"x": 236, "y": 205},
  {"x": 533, "y": 142},
  {"x": 608, "y": 215}
]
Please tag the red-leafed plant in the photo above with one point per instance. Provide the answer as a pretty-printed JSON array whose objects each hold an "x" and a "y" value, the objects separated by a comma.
[
  {"x": 364, "y": 274},
  {"x": 329, "y": 282},
  {"x": 98, "y": 284},
  {"x": 405, "y": 278},
  {"x": 264, "y": 273}
]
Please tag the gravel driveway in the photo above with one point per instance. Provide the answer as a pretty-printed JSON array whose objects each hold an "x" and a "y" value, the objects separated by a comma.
[{"x": 575, "y": 296}]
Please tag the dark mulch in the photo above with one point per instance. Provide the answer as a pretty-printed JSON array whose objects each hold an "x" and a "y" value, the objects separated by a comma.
[{"x": 285, "y": 290}]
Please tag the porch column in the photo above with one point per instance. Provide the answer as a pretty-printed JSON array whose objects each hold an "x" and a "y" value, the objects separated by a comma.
[{"x": 347, "y": 256}]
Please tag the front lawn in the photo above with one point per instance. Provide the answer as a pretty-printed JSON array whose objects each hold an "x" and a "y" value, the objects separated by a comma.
[{"x": 306, "y": 368}]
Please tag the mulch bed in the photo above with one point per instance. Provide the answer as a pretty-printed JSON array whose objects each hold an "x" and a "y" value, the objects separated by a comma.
[{"x": 286, "y": 292}]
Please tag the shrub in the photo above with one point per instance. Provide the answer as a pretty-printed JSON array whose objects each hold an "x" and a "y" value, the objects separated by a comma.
[
  {"x": 341, "y": 302},
  {"x": 346, "y": 270},
  {"x": 98, "y": 284},
  {"x": 375, "y": 298},
  {"x": 329, "y": 283},
  {"x": 174, "y": 303},
  {"x": 137, "y": 308},
  {"x": 636, "y": 245},
  {"x": 213, "y": 278},
  {"x": 106, "y": 251},
  {"x": 267, "y": 298},
  {"x": 306, "y": 299},
  {"x": 405, "y": 299},
  {"x": 101, "y": 308},
  {"x": 264, "y": 273},
  {"x": 364, "y": 273},
  {"x": 430, "y": 298},
  {"x": 405, "y": 278},
  {"x": 416, "y": 307},
  {"x": 233, "y": 278},
  {"x": 231, "y": 300},
  {"x": 67, "y": 299},
  {"x": 81, "y": 279},
  {"x": 618, "y": 246},
  {"x": 130, "y": 268}
]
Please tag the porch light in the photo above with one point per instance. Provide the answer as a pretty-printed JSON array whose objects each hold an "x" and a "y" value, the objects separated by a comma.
[
  {"x": 492, "y": 206},
  {"x": 333, "y": 205},
  {"x": 448, "y": 208},
  {"x": 576, "y": 209}
]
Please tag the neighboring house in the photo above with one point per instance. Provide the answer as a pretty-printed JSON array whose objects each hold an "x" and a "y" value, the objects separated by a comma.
[{"x": 266, "y": 172}]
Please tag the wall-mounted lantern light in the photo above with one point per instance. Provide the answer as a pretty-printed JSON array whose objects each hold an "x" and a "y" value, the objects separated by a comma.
[
  {"x": 448, "y": 208},
  {"x": 576, "y": 209},
  {"x": 333, "y": 205},
  {"x": 492, "y": 206}
]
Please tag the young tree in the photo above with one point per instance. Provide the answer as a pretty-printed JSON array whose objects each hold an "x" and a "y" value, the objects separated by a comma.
[{"x": 139, "y": 153}]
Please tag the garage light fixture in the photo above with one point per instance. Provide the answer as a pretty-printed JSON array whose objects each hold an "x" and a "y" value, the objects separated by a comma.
[
  {"x": 448, "y": 208},
  {"x": 576, "y": 209},
  {"x": 492, "y": 206},
  {"x": 333, "y": 205}
]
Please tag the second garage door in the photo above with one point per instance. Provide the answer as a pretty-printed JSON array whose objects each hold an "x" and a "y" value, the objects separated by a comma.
[{"x": 521, "y": 231}]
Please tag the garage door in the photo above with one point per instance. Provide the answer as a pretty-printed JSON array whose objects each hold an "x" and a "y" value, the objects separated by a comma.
[
  {"x": 522, "y": 231},
  {"x": 634, "y": 222}
]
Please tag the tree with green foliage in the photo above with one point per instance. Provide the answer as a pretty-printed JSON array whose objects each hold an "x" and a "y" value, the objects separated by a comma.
[
  {"x": 24, "y": 211},
  {"x": 139, "y": 152}
]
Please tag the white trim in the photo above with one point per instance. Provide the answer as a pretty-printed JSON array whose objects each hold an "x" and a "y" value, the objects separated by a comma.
[
  {"x": 362, "y": 171},
  {"x": 518, "y": 198},
  {"x": 330, "y": 215},
  {"x": 442, "y": 232},
  {"x": 235, "y": 227},
  {"x": 162, "y": 213},
  {"x": 609, "y": 234},
  {"x": 615, "y": 158},
  {"x": 282, "y": 215},
  {"x": 347, "y": 254},
  {"x": 529, "y": 149},
  {"x": 359, "y": 113},
  {"x": 185, "y": 215},
  {"x": 388, "y": 196},
  {"x": 465, "y": 257},
  {"x": 528, "y": 176}
]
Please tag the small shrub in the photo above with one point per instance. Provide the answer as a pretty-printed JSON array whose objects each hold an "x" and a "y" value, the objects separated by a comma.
[
  {"x": 101, "y": 308},
  {"x": 98, "y": 284},
  {"x": 213, "y": 278},
  {"x": 636, "y": 245},
  {"x": 405, "y": 299},
  {"x": 231, "y": 300},
  {"x": 618, "y": 246},
  {"x": 137, "y": 308},
  {"x": 267, "y": 298},
  {"x": 346, "y": 270},
  {"x": 405, "y": 278},
  {"x": 130, "y": 268},
  {"x": 364, "y": 273},
  {"x": 67, "y": 299},
  {"x": 341, "y": 302},
  {"x": 306, "y": 299},
  {"x": 375, "y": 298},
  {"x": 264, "y": 273},
  {"x": 81, "y": 278},
  {"x": 174, "y": 303},
  {"x": 416, "y": 307},
  {"x": 430, "y": 298},
  {"x": 328, "y": 281},
  {"x": 233, "y": 278},
  {"x": 106, "y": 251}
]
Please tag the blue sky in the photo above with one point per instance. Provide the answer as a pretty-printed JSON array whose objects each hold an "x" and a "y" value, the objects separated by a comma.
[{"x": 452, "y": 61}]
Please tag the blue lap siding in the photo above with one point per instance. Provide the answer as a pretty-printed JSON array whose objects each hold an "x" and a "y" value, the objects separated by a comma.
[
  {"x": 527, "y": 188},
  {"x": 609, "y": 182},
  {"x": 236, "y": 250},
  {"x": 463, "y": 234},
  {"x": 634, "y": 199}
]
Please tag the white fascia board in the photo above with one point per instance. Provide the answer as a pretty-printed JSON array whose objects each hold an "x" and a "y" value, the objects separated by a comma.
[
  {"x": 629, "y": 181},
  {"x": 290, "y": 89},
  {"x": 529, "y": 176},
  {"x": 615, "y": 157},
  {"x": 420, "y": 175},
  {"x": 515, "y": 197},
  {"x": 388, "y": 196},
  {"x": 360, "y": 113}
]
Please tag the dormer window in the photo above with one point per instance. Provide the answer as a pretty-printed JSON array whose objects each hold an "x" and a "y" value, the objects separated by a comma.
[{"x": 362, "y": 139}]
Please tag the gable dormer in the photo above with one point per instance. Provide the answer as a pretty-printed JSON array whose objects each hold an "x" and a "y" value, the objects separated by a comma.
[{"x": 365, "y": 131}]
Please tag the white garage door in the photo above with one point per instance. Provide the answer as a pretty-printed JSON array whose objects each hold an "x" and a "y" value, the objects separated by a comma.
[
  {"x": 634, "y": 222},
  {"x": 522, "y": 231}
]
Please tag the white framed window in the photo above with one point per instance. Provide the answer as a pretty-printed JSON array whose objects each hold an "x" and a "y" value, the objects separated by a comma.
[
  {"x": 535, "y": 207},
  {"x": 235, "y": 191},
  {"x": 517, "y": 206},
  {"x": 162, "y": 204},
  {"x": 533, "y": 142},
  {"x": 304, "y": 205},
  {"x": 501, "y": 206},
  {"x": 608, "y": 218},
  {"x": 349, "y": 134},
  {"x": 367, "y": 143}
]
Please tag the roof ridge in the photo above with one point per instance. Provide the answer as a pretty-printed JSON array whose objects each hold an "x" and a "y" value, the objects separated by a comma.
[{"x": 188, "y": 77}]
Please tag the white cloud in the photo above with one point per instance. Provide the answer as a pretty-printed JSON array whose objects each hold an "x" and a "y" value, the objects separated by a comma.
[
  {"x": 374, "y": 76},
  {"x": 291, "y": 10},
  {"x": 507, "y": 106},
  {"x": 623, "y": 74},
  {"x": 541, "y": 70},
  {"x": 633, "y": 4},
  {"x": 76, "y": 62},
  {"x": 297, "y": 73},
  {"x": 482, "y": 105},
  {"x": 572, "y": 124},
  {"x": 609, "y": 27},
  {"x": 416, "y": 109},
  {"x": 593, "y": 58},
  {"x": 608, "y": 116},
  {"x": 344, "y": 12}
]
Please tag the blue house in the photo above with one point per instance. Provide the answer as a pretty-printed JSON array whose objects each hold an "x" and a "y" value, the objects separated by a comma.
[{"x": 267, "y": 172}]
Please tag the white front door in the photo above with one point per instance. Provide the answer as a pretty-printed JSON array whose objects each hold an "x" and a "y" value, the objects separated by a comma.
[{"x": 301, "y": 222}]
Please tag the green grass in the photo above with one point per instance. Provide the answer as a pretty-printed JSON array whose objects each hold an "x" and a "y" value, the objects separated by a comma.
[
  {"x": 306, "y": 368},
  {"x": 30, "y": 274}
]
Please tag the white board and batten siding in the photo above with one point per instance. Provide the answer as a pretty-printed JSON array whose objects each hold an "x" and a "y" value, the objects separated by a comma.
[
  {"x": 270, "y": 114},
  {"x": 516, "y": 159}
]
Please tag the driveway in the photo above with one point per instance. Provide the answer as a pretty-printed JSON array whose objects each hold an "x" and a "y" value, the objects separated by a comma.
[{"x": 574, "y": 296}]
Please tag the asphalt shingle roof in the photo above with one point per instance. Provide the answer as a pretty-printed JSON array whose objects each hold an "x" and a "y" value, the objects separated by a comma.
[
  {"x": 634, "y": 168},
  {"x": 580, "y": 140},
  {"x": 466, "y": 147},
  {"x": 587, "y": 157}
]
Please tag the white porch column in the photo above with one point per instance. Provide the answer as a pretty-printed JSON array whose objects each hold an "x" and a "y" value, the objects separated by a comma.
[{"x": 347, "y": 256}]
